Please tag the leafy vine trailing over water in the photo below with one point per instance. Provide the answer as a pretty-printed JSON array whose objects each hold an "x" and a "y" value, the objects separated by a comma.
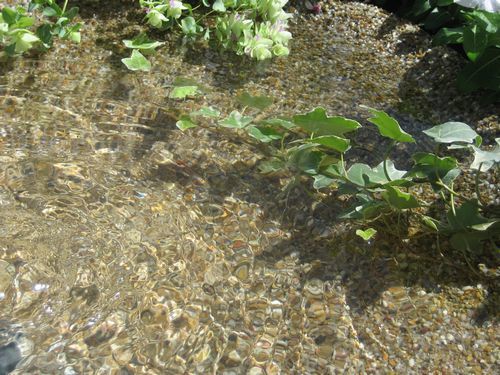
[{"x": 315, "y": 145}]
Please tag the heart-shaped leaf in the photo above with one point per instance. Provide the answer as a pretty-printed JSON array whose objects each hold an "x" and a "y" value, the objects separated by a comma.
[
  {"x": 258, "y": 102},
  {"x": 366, "y": 234},
  {"x": 206, "y": 112},
  {"x": 475, "y": 41},
  {"x": 449, "y": 36},
  {"x": 272, "y": 165},
  {"x": 486, "y": 159},
  {"x": 331, "y": 141},
  {"x": 399, "y": 199},
  {"x": 433, "y": 168},
  {"x": 280, "y": 122},
  {"x": 137, "y": 62},
  {"x": 142, "y": 42},
  {"x": 451, "y": 132},
  {"x": 264, "y": 134},
  {"x": 321, "y": 181},
  {"x": 219, "y": 6},
  {"x": 466, "y": 216},
  {"x": 363, "y": 175},
  {"x": 185, "y": 122},
  {"x": 181, "y": 92},
  {"x": 236, "y": 120},
  {"x": 367, "y": 210},
  {"x": 388, "y": 126},
  {"x": 319, "y": 123}
]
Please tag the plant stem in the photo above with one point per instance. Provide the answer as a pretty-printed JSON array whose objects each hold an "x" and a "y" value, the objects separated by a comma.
[
  {"x": 343, "y": 165},
  {"x": 478, "y": 194},
  {"x": 64, "y": 6},
  {"x": 452, "y": 201},
  {"x": 450, "y": 190},
  {"x": 205, "y": 15},
  {"x": 389, "y": 149}
]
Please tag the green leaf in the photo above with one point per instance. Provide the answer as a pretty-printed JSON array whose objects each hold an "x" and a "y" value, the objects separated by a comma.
[
  {"x": 331, "y": 141},
  {"x": 307, "y": 160},
  {"x": 466, "y": 216},
  {"x": 181, "y": 92},
  {"x": 475, "y": 41},
  {"x": 433, "y": 168},
  {"x": 272, "y": 165},
  {"x": 190, "y": 27},
  {"x": 9, "y": 15},
  {"x": 280, "y": 122},
  {"x": 185, "y": 122},
  {"x": 236, "y": 120},
  {"x": 482, "y": 73},
  {"x": 486, "y": 159},
  {"x": 219, "y": 6},
  {"x": 487, "y": 20},
  {"x": 436, "y": 19},
  {"x": 367, "y": 210},
  {"x": 362, "y": 175},
  {"x": 466, "y": 241},
  {"x": 366, "y": 234},
  {"x": 451, "y": 132},
  {"x": 45, "y": 34},
  {"x": 321, "y": 181},
  {"x": 258, "y": 102},
  {"x": 319, "y": 123},
  {"x": 49, "y": 12},
  {"x": 430, "y": 222},
  {"x": 449, "y": 36},
  {"x": 142, "y": 42},
  {"x": 137, "y": 62},
  {"x": 75, "y": 36},
  {"x": 206, "y": 112},
  {"x": 399, "y": 199},
  {"x": 23, "y": 22},
  {"x": 484, "y": 226},
  {"x": 418, "y": 9},
  {"x": 70, "y": 14},
  {"x": 388, "y": 126},
  {"x": 264, "y": 134}
]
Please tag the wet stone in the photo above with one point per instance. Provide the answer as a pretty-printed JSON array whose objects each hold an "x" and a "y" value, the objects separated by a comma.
[{"x": 130, "y": 247}]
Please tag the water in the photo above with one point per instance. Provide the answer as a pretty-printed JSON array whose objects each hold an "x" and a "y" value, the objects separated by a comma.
[{"x": 127, "y": 246}]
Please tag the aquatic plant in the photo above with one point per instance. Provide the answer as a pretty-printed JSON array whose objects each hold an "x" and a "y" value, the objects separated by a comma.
[
  {"x": 257, "y": 28},
  {"x": 315, "y": 144},
  {"x": 17, "y": 26},
  {"x": 459, "y": 23}
]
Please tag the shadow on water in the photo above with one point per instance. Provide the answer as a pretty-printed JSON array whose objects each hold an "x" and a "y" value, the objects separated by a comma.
[
  {"x": 329, "y": 245},
  {"x": 420, "y": 91}
]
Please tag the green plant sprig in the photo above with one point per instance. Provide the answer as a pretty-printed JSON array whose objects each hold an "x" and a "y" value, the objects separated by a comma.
[
  {"x": 317, "y": 147},
  {"x": 17, "y": 28},
  {"x": 254, "y": 28}
]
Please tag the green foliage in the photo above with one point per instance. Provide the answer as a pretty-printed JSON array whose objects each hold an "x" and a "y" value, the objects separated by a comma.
[
  {"x": 19, "y": 35},
  {"x": 478, "y": 31},
  {"x": 254, "y": 28},
  {"x": 137, "y": 62},
  {"x": 379, "y": 191},
  {"x": 366, "y": 234}
]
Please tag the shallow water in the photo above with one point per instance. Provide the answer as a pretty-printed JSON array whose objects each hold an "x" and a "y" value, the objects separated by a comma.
[{"x": 127, "y": 246}]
